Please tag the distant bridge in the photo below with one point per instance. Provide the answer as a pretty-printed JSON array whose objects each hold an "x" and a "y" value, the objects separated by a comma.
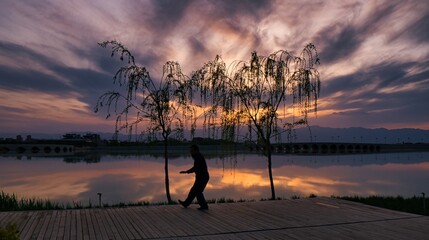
[
  {"x": 341, "y": 148},
  {"x": 37, "y": 149}
]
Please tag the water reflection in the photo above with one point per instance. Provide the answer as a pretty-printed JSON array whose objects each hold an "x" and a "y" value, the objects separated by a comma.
[{"x": 125, "y": 178}]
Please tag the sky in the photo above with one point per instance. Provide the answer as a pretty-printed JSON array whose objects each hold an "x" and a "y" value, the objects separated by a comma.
[{"x": 374, "y": 55}]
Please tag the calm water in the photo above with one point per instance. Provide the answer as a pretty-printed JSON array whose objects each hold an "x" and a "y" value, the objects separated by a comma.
[{"x": 242, "y": 176}]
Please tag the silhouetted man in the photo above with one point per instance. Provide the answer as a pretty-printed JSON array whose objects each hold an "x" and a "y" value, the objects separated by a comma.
[{"x": 201, "y": 179}]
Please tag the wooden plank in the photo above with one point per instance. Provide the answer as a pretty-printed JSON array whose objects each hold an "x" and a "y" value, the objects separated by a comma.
[
  {"x": 98, "y": 220},
  {"x": 84, "y": 224},
  {"x": 37, "y": 225},
  {"x": 240, "y": 217},
  {"x": 218, "y": 219},
  {"x": 97, "y": 227},
  {"x": 20, "y": 219},
  {"x": 153, "y": 222},
  {"x": 146, "y": 227},
  {"x": 79, "y": 227},
  {"x": 123, "y": 224},
  {"x": 27, "y": 230},
  {"x": 3, "y": 215},
  {"x": 90, "y": 223},
  {"x": 14, "y": 218},
  {"x": 291, "y": 219},
  {"x": 111, "y": 229},
  {"x": 46, "y": 217},
  {"x": 54, "y": 225},
  {"x": 61, "y": 226},
  {"x": 257, "y": 218},
  {"x": 69, "y": 225},
  {"x": 143, "y": 230},
  {"x": 6, "y": 219},
  {"x": 132, "y": 226},
  {"x": 117, "y": 223},
  {"x": 183, "y": 221},
  {"x": 162, "y": 221}
]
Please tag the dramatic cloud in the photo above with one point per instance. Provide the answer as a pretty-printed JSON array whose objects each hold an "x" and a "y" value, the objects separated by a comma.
[{"x": 374, "y": 55}]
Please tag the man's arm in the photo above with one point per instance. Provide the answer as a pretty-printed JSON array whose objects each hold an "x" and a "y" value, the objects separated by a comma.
[{"x": 191, "y": 170}]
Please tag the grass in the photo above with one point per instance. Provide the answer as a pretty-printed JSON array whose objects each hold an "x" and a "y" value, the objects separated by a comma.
[
  {"x": 416, "y": 205},
  {"x": 10, "y": 232},
  {"x": 10, "y": 202}
]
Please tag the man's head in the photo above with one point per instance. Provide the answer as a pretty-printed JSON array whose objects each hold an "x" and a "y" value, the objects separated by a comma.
[{"x": 194, "y": 149}]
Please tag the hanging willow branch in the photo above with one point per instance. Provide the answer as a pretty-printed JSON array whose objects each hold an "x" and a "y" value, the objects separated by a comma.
[
  {"x": 162, "y": 104},
  {"x": 252, "y": 93}
]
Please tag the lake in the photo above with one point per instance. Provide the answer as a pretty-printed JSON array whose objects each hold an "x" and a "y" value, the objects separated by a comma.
[{"x": 131, "y": 178}]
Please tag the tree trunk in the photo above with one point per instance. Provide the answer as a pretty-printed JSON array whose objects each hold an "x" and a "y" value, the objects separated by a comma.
[
  {"x": 270, "y": 171},
  {"x": 167, "y": 181}
]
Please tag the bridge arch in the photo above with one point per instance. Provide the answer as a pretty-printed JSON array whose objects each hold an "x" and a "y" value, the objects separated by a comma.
[{"x": 342, "y": 148}]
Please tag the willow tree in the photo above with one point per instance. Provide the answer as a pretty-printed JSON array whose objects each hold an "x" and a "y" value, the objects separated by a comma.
[
  {"x": 259, "y": 95},
  {"x": 160, "y": 105}
]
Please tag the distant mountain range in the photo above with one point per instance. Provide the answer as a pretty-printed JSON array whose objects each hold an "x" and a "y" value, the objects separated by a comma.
[
  {"x": 358, "y": 135},
  {"x": 314, "y": 134}
]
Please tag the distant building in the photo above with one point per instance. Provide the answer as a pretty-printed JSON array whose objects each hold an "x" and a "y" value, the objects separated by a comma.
[
  {"x": 89, "y": 137},
  {"x": 92, "y": 137},
  {"x": 19, "y": 138},
  {"x": 72, "y": 136}
]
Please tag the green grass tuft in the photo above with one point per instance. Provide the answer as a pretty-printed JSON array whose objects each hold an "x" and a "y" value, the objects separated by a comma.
[
  {"x": 416, "y": 205},
  {"x": 10, "y": 202},
  {"x": 10, "y": 232}
]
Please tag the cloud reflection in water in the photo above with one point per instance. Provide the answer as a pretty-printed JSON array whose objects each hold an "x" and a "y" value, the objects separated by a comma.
[{"x": 141, "y": 178}]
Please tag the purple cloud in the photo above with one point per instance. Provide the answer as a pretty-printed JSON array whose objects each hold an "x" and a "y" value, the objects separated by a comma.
[{"x": 374, "y": 55}]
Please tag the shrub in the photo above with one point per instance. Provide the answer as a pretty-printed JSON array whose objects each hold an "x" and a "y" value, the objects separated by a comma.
[{"x": 10, "y": 232}]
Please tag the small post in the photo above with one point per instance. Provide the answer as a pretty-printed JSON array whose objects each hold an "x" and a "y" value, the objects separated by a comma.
[
  {"x": 99, "y": 199},
  {"x": 424, "y": 203}
]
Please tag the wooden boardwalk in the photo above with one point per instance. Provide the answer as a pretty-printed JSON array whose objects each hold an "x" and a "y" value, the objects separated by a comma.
[{"x": 313, "y": 218}]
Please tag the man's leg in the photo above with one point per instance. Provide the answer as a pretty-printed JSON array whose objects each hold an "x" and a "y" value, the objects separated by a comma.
[
  {"x": 192, "y": 194},
  {"x": 200, "y": 195},
  {"x": 202, "y": 200}
]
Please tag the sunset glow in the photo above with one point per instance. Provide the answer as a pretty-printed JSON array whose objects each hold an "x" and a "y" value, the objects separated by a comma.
[
  {"x": 141, "y": 178},
  {"x": 373, "y": 56}
]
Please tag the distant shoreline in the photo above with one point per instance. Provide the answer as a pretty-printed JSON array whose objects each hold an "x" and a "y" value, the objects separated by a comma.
[{"x": 60, "y": 148}]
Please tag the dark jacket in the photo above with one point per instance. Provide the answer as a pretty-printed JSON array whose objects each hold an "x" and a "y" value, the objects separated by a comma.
[{"x": 200, "y": 167}]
